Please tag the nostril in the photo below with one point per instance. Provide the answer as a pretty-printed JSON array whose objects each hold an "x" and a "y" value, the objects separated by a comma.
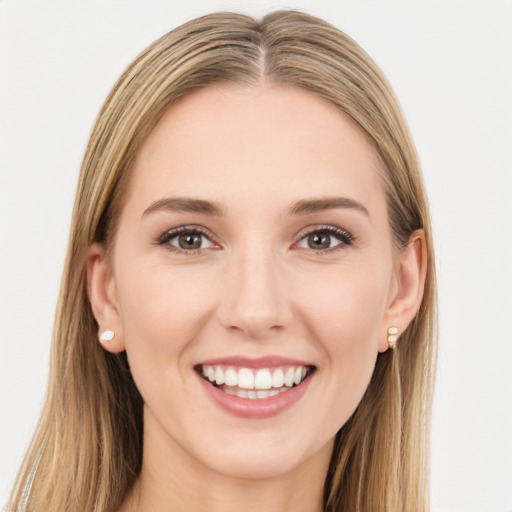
[{"x": 254, "y": 327}]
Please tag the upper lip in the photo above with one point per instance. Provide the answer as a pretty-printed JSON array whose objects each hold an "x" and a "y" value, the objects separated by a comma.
[{"x": 257, "y": 362}]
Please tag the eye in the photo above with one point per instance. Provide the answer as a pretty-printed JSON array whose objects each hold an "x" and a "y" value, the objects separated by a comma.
[
  {"x": 325, "y": 239},
  {"x": 189, "y": 241},
  {"x": 185, "y": 239}
]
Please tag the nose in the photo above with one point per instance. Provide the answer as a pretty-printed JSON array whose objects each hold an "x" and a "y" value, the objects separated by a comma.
[{"x": 254, "y": 300}]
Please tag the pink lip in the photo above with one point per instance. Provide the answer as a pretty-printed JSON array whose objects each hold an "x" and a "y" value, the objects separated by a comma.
[
  {"x": 257, "y": 408},
  {"x": 258, "y": 362}
]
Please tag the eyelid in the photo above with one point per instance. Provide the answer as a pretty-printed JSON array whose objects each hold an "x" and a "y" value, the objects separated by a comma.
[
  {"x": 346, "y": 238},
  {"x": 168, "y": 235}
]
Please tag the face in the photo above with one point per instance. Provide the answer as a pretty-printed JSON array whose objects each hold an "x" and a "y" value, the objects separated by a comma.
[{"x": 253, "y": 251}]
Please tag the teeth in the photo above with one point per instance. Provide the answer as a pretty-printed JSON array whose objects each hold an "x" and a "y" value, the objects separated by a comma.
[
  {"x": 245, "y": 378},
  {"x": 230, "y": 377},
  {"x": 253, "y": 394},
  {"x": 219, "y": 375},
  {"x": 278, "y": 378},
  {"x": 288, "y": 378},
  {"x": 263, "y": 379},
  {"x": 248, "y": 379}
]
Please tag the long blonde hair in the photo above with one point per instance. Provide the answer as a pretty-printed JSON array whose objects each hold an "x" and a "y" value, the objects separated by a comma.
[{"x": 88, "y": 442}]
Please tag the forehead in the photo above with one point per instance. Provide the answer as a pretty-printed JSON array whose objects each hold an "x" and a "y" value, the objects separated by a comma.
[{"x": 272, "y": 143}]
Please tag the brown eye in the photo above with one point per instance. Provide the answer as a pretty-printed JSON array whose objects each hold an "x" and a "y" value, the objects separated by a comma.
[
  {"x": 185, "y": 240},
  {"x": 326, "y": 239},
  {"x": 190, "y": 241},
  {"x": 319, "y": 241}
]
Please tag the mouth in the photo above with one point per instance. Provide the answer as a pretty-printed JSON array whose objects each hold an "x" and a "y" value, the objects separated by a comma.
[{"x": 254, "y": 383}]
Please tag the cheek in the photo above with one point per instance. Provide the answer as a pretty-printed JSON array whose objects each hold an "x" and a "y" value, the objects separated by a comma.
[
  {"x": 344, "y": 319},
  {"x": 348, "y": 306},
  {"x": 162, "y": 308},
  {"x": 344, "y": 316}
]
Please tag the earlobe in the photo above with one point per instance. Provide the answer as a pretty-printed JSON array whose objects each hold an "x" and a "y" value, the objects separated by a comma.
[
  {"x": 411, "y": 277},
  {"x": 103, "y": 298}
]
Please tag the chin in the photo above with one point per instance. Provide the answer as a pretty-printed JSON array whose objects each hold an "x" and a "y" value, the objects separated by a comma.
[
  {"x": 261, "y": 467},
  {"x": 266, "y": 457}
]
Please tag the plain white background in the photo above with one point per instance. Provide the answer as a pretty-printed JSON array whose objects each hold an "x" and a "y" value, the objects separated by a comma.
[{"x": 451, "y": 66}]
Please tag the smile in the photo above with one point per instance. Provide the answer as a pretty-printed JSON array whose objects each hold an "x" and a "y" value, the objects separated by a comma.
[{"x": 254, "y": 383}]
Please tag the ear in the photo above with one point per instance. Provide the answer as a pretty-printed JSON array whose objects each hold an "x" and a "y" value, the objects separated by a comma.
[
  {"x": 101, "y": 289},
  {"x": 408, "y": 290}
]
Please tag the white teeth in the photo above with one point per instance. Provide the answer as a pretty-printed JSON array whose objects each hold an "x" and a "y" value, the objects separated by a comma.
[
  {"x": 288, "y": 378},
  {"x": 219, "y": 376},
  {"x": 263, "y": 379},
  {"x": 253, "y": 394},
  {"x": 230, "y": 377},
  {"x": 245, "y": 378},
  {"x": 278, "y": 378},
  {"x": 249, "y": 379}
]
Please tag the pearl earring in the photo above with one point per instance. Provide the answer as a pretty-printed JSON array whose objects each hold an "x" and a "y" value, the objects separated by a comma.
[
  {"x": 106, "y": 336},
  {"x": 392, "y": 337}
]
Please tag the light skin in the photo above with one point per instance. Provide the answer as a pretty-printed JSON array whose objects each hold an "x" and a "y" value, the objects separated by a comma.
[{"x": 282, "y": 197}]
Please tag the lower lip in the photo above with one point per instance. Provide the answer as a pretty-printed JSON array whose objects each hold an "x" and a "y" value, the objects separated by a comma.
[{"x": 257, "y": 408}]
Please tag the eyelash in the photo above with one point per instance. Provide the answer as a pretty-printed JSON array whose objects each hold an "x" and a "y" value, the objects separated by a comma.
[
  {"x": 166, "y": 237},
  {"x": 344, "y": 237}
]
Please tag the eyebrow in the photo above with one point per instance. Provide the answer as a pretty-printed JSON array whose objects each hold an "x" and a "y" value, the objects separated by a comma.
[
  {"x": 305, "y": 206},
  {"x": 301, "y": 207},
  {"x": 185, "y": 205}
]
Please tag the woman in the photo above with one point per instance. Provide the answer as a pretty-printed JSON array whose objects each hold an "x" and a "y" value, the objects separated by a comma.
[{"x": 247, "y": 315}]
